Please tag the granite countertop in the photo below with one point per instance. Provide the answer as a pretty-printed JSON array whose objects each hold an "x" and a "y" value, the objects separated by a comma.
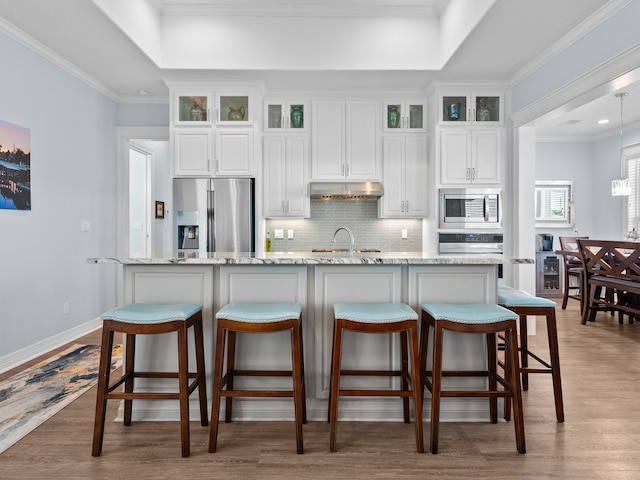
[{"x": 320, "y": 258}]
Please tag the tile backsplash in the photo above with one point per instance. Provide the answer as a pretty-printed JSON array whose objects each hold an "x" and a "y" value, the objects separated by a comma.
[{"x": 360, "y": 216}]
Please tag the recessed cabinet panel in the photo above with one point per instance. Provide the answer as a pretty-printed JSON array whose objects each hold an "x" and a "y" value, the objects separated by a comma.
[
  {"x": 470, "y": 156},
  {"x": 286, "y": 160},
  {"x": 405, "y": 176},
  {"x": 327, "y": 140},
  {"x": 234, "y": 153},
  {"x": 362, "y": 141},
  {"x": 192, "y": 152}
]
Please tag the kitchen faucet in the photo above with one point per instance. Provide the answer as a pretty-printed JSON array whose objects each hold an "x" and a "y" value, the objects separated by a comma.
[{"x": 351, "y": 239}]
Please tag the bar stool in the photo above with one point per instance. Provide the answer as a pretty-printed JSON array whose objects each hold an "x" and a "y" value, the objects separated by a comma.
[
  {"x": 150, "y": 319},
  {"x": 244, "y": 317},
  {"x": 523, "y": 304},
  {"x": 488, "y": 319},
  {"x": 377, "y": 318}
]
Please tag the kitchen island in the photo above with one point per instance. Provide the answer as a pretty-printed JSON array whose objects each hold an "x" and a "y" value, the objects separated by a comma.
[{"x": 317, "y": 280}]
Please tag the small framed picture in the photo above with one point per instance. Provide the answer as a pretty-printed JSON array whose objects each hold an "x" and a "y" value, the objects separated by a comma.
[{"x": 159, "y": 209}]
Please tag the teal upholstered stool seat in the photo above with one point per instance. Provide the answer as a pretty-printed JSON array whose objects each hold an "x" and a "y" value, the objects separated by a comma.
[
  {"x": 260, "y": 312},
  {"x": 374, "y": 312},
  {"x": 524, "y": 304},
  {"x": 144, "y": 313},
  {"x": 151, "y": 319},
  {"x": 510, "y": 297},
  {"x": 473, "y": 313},
  {"x": 379, "y": 318},
  {"x": 479, "y": 318},
  {"x": 257, "y": 318}
]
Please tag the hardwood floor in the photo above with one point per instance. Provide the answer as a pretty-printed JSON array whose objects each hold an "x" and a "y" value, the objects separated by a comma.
[{"x": 599, "y": 440}]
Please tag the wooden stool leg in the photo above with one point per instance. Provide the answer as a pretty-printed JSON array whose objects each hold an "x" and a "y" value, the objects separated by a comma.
[
  {"x": 335, "y": 383},
  {"x": 552, "y": 332},
  {"x": 298, "y": 390},
  {"x": 183, "y": 381},
  {"x": 404, "y": 373},
  {"x": 304, "y": 389},
  {"x": 492, "y": 367},
  {"x": 416, "y": 384},
  {"x": 202, "y": 384},
  {"x": 518, "y": 416},
  {"x": 436, "y": 386},
  {"x": 333, "y": 348},
  {"x": 230, "y": 373},
  {"x": 129, "y": 369},
  {"x": 524, "y": 351},
  {"x": 217, "y": 387},
  {"x": 424, "y": 348},
  {"x": 104, "y": 375}
]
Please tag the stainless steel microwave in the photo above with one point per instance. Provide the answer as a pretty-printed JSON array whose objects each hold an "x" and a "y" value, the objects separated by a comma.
[{"x": 470, "y": 208}]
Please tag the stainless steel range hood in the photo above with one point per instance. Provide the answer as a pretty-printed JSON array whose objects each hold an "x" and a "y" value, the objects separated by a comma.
[{"x": 346, "y": 190}]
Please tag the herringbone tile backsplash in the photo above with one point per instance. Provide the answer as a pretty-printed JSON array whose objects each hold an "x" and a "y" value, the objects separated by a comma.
[{"x": 361, "y": 216}]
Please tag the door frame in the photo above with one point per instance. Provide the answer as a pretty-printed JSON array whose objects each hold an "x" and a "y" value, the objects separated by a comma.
[{"x": 125, "y": 135}]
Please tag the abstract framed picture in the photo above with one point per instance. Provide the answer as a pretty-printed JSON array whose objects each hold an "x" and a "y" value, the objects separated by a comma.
[{"x": 15, "y": 167}]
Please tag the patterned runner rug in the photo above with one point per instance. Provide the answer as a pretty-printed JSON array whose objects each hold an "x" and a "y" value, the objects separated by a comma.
[{"x": 30, "y": 397}]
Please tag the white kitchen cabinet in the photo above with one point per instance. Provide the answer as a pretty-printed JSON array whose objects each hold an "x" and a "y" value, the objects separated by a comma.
[
  {"x": 466, "y": 108},
  {"x": 192, "y": 152},
  {"x": 345, "y": 141},
  {"x": 405, "y": 176},
  {"x": 289, "y": 117},
  {"x": 405, "y": 116},
  {"x": 470, "y": 156},
  {"x": 234, "y": 153},
  {"x": 286, "y": 176}
]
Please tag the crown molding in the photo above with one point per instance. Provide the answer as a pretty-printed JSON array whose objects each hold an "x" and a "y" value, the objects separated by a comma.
[{"x": 49, "y": 55}]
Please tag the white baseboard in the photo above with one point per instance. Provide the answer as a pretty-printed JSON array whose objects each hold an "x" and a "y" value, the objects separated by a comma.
[{"x": 25, "y": 354}]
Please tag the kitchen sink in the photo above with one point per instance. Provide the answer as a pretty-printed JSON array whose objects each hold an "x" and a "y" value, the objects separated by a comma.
[{"x": 344, "y": 250}]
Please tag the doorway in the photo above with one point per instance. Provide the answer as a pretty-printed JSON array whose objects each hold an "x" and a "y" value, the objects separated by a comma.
[{"x": 140, "y": 189}]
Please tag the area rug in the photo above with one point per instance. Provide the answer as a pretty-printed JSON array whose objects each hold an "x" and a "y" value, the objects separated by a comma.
[{"x": 30, "y": 397}]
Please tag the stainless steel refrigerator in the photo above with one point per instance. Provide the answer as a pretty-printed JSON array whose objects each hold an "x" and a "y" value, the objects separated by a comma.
[{"x": 214, "y": 215}]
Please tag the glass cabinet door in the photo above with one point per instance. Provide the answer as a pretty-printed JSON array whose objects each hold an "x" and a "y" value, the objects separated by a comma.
[
  {"x": 416, "y": 117},
  {"x": 487, "y": 109},
  {"x": 404, "y": 117},
  {"x": 193, "y": 109},
  {"x": 290, "y": 116},
  {"x": 454, "y": 109},
  {"x": 234, "y": 110}
]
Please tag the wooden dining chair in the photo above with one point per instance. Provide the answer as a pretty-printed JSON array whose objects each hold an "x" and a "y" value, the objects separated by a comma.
[{"x": 573, "y": 271}]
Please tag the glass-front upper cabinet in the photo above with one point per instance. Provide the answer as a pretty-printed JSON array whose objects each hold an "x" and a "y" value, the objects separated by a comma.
[
  {"x": 467, "y": 108},
  {"x": 405, "y": 117},
  {"x": 234, "y": 109},
  {"x": 193, "y": 109},
  {"x": 292, "y": 117}
]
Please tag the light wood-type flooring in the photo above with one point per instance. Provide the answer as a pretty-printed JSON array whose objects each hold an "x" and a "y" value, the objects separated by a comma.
[{"x": 600, "y": 438}]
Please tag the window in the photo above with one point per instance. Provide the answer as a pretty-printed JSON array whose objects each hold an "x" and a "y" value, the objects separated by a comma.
[{"x": 554, "y": 203}]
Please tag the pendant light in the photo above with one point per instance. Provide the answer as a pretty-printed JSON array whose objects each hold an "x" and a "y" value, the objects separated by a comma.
[{"x": 622, "y": 186}]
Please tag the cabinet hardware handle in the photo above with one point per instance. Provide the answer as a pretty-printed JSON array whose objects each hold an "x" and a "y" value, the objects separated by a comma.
[
  {"x": 468, "y": 173},
  {"x": 288, "y": 209},
  {"x": 473, "y": 119},
  {"x": 217, "y": 114},
  {"x": 473, "y": 173},
  {"x": 346, "y": 170},
  {"x": 406, "y": 206}
]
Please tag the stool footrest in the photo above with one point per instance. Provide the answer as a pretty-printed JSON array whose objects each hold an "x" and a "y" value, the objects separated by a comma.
[
  {"x": 256, "y": 393},
  {"x": 372, "y": 373},
  {"x": 375, "y": 393}
]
